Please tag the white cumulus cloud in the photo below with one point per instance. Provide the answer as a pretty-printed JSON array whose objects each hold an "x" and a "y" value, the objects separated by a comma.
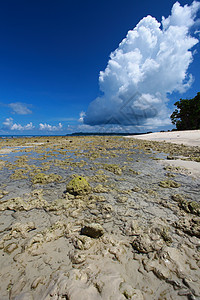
[
  {"x": 82, "y": 115},
  {"x": 20, "y": 108},
  {"x": 8, "y": 124},
  {"x": 48, "y": 127},
  {"x": 150, "y": 62}
]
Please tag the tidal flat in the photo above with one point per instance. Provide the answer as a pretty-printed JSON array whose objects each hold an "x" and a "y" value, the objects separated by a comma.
[{"x": 98, "y": 218}]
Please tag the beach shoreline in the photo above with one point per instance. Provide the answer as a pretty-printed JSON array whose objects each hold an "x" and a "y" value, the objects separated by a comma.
[{"x": 187, "y": 137}]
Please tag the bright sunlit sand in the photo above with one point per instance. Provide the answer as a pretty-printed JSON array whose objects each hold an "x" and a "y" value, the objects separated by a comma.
[{"x": 186, "y": 137}]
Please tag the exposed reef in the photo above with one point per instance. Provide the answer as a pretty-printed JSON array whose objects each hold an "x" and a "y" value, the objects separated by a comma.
[
  {"x": 98, "y": 218},
  {"x": 78, "y": 186}
]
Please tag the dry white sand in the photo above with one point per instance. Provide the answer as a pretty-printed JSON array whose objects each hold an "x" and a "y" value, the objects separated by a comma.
[
  {"x": 188, "y": 167},
  {"x": 187, "y": 137}
]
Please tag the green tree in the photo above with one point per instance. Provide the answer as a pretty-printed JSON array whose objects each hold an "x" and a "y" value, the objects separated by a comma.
[{"x": 187, "y": 114}]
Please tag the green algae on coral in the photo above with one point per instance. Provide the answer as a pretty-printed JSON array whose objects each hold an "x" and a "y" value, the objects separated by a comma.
[
  {"x": 192, "y": 158},
  {"x": 3, "y": 193},
  {"x": 136, "y": 189},
  {"x": 172, "y": 169},
  {"x": 64, "y": 164},
  {"x": 99, "y": 178},
  {"x": 19, "y": 174},
  {"x": 45, "y": 178},
  {"x": 189, "y": 225},
  {"x": 165, "y": 235},
  {"x": 78, "y": 186},
  {"x": 134, "y": 172},
  {"x": 170, "y": 175},
  {"x": 100, "y": 189},
  {"x": 59, "y": 204},
  {"x": 192, "y": 207},
  {"x": 169, "y": 184},
  {"x": 152, "y": 193},
  {"x": 114, "y": 168}
]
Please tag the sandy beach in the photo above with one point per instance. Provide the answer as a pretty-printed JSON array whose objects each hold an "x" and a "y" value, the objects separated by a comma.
[
  {"x": 186, "y": 137},
  {"x": 99, "y": 218}
]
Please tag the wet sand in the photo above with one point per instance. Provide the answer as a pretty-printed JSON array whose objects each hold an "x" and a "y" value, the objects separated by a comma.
[{"x": 98, "y": 218}]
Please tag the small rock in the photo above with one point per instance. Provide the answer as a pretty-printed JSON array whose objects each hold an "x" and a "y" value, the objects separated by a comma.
[
  {"x": 189, "y": 225},
  {"x": 143, "y": 243},
  {"x": 169, "y": 157},
  {"x": 36, "y": 281},
  {"x": 122, "y": 199},
  {"x": 77, "y": 258},
  {"x": 136, "y": 189},
  {"x": 93, "y": 230},
  {"x": 83, "y": 243},
  {"x": 10, "y": 248}
]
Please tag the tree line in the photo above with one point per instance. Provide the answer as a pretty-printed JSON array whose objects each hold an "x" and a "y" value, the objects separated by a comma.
[{"x": 187, "y": 114}]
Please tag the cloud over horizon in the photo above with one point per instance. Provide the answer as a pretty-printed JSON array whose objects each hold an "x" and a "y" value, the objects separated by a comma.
[
  {"x": 20, "y": 108},
  {"x": 49, "y": 127},
  {"x": 8, "y": 124},
  {"x": 149, "y": 63}
]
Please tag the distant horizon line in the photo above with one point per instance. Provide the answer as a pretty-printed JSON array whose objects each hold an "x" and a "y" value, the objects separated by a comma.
[{"x": 83, "y": 134}]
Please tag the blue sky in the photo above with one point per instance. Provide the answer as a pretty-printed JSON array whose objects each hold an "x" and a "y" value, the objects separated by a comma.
[{"x": 51, "y": 53}]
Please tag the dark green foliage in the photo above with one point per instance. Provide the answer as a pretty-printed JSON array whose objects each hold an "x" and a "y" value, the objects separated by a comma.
[{"x": 187, "y": 116}]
